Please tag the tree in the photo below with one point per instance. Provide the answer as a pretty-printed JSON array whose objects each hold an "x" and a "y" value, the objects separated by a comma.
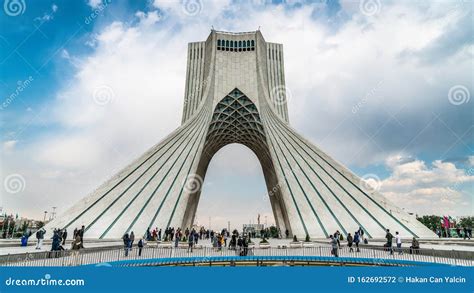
[
  {"x": 466, "y": 222},
  {"x": 24, "y": 226},
  {"x": 432, "y": 221},
  {"x": 273, "y": 232}
]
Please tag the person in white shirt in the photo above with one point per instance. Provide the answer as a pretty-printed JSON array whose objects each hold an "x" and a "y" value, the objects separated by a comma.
[{"x": 398, "y": 239}]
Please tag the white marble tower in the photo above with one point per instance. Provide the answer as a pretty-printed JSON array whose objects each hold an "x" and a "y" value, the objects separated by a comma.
[{"x": 235, "y": 93}]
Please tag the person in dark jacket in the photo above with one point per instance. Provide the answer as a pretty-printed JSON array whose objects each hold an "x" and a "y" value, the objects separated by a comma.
[
  {"x": 466, "y": 233},
  {"x": 357, "y": 240},
  {"x": 191, "y": 241},
  {"x": 55, "y": 245},
  {"x": 389, "y": 238},
  {"x": 349, "y": 242},
  {"x": 334, "y": 245},
  {"x": 140, "y": 247},
  {"x": 126, "y": 243},
  {"x": 39, "y": 237},
  {"x": 81, "y": 234},
  {"x": 64, "y": 236}
]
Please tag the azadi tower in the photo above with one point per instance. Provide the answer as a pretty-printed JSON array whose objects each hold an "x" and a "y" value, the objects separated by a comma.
[{"x": 235, "y": 93}]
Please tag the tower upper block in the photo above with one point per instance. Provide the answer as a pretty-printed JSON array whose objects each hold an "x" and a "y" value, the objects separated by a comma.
[{"x": 238, "y": 60}]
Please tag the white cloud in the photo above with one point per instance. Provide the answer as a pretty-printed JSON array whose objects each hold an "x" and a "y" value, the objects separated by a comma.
[
  {"x": 47, "y": 16},
  {"x": 436, "y": 189},
  {"x": 148, "y": 18},
  {"x": 94, "y": 3},
  {"x": 9, "y": 145},
  {"x": 471, "y": 160}
]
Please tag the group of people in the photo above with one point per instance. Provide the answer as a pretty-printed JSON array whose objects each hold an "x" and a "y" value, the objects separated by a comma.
[
  {"x": 59, "y": 239},
  {"x": 414, "y": 248},
  {"x": 464, "y": 232},
  {"x": 128, "y": 240},
  {"x": 191, "y": 237},
  {"x": 351, "y": 240},
  {"x": 359, "y": 237}
]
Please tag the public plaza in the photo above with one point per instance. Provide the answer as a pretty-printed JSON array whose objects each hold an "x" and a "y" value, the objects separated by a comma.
[{"x": 325, "y": 215}]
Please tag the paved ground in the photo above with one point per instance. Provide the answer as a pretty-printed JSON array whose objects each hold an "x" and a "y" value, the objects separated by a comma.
[{"x": 13, "y": 246}]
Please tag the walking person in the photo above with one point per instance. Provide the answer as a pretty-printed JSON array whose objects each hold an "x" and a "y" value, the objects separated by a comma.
[
  {"x": 361, "y": 234},
  {"x": 55, "y": 243},
  {"x": 140, "y": 247},
  {"x": 334, "y": 246},
  {"x": 466, "y": 233},
  {"x": 81, "y": 234},
  {"x": 398, "y": 239},
  {"x": 126, "y": 243},
  {"x": 191, "y": 242},
  {"x": 357, "y": 240},
  {"x": 39, "y": 237},
  {"x": 132, "y": 238},
  {"x": 64, "y": 236},
  {"x": 176, "y": 239},
  {"x": 389, "y": 238},
  {"x": 349, "y": 242}
]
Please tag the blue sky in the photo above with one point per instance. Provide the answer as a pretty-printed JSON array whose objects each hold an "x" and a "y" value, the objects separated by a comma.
[{"x": 383, "y": 86}]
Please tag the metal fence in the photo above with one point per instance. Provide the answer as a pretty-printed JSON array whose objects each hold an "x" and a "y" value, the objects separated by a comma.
[{"x": 208, "y": 254}]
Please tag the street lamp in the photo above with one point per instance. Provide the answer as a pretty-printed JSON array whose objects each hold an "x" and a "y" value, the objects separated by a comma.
[{"x": 44, "y": 218}]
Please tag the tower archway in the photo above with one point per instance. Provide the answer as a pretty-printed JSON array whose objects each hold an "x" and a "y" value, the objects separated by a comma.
[{"x": 236, "y": 119}]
